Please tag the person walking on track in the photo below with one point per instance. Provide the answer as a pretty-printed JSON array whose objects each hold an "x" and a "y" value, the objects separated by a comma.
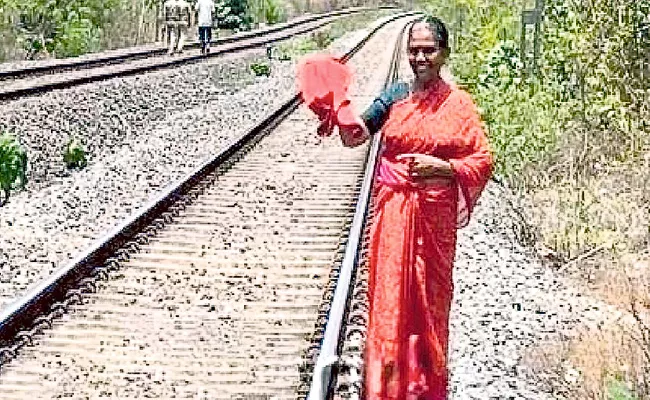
[
  {"x": 432, "y": 167},
  {"x": 177, "y": 16},
  {"x": 205, "y": 10}
]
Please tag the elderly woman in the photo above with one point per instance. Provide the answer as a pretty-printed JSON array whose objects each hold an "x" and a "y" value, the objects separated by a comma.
[{"x": 434, "y": 163}]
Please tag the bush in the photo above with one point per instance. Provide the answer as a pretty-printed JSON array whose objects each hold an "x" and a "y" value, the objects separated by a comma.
[
  {"x": 261, "y": 69},
  {"x": 273, "y": 12},
  {"x": 74, "y": 155},
  {"x": 13, "y": 166},
  {"x": 77, "y": 37},
  {"x": 502, "y": 67},
  {"x": 618, "y": 390},
  {"x": 520, "y": 115},
  {"x": 233, "y": 14},
  {"x": 65, "y": 29},
  {"x": 521, "y": 123},
  {"x": 37, "y": 28},
  {"x": 296, "y": 48},
  {"x": 322, "y": 38}
]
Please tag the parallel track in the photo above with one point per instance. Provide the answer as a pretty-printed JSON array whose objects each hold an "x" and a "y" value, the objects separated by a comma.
[
  {"x": 33, "y": 80},
  {"x": 218, "y": 288},
  {"x": 110, "y": 57}
]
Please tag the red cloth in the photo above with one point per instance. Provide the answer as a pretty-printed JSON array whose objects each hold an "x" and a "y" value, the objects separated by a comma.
[
  {"x": 413, "y": 242},
  {"x": 324, "y": 84}
]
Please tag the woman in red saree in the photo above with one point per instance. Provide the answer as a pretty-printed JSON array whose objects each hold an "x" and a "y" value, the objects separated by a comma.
[{"x": 433, "y": 165}]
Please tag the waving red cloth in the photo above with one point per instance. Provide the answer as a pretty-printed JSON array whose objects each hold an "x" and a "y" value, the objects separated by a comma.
[
  {"x": 413, "y": 242},
  {"x": 324, "y": 83}
]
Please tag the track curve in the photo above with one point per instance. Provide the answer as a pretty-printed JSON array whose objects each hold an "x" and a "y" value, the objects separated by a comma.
[{"x": 225, "y": 295}]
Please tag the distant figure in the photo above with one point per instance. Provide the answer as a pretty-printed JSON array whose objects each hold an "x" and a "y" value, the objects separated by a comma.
[
  {"x": 177, "y": 14},
  {"x": 205, "y": 10}
]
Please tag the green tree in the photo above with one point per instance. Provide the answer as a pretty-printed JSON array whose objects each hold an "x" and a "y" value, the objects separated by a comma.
[
  {"x": 233, "y": 14},
  {"x": 65, "y": 28},
  {"x": 61, "y": 27}
]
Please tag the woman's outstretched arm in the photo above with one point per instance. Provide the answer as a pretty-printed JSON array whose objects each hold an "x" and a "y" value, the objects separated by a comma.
[
  {"x": 355, "y": 130},
  {"x": 375, "y": 115}
]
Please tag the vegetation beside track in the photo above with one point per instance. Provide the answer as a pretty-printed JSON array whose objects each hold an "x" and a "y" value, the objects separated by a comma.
[
  {"x": 572, "y": 139},
  {"x": 13, "y": 166},
  {"x": 35, "y": 29}
]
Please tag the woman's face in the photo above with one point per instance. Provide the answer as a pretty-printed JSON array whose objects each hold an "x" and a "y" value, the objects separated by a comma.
[{"x": 425, "y": 55}]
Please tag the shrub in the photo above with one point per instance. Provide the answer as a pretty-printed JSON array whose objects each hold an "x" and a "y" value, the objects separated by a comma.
[
  {"x": 78, "y": 37},
  {"x": 64, "y": 29},
  {"x": 74, "y": 154},
  {"x": 261, "y": 69},
  {"x": 618, "y": 390},
  {"x": 273, "y": 12},
  {"x": 296, "y": 48},
  {"x": 233, "y": 14},
  {"x": 322, "y": 38},
  {"x": 13, "y": 166}
]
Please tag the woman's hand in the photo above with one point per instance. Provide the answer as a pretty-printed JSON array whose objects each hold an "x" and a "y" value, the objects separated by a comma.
[
  {"x": 352, "y": 128},
  {"x": 426, "y": 166}
]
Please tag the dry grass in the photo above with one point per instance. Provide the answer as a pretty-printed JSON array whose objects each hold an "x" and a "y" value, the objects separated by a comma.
[
  {"x": 609, "y": 210},
  {"x": 609, "y": 352},
  {"x": 590, "y": 364},
  {"x": 593, "y": 210}
]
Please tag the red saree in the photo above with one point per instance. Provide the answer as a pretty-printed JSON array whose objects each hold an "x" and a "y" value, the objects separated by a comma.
[
  {"x": 413, "y": 242},
  {"x": 413, "y": 233}
]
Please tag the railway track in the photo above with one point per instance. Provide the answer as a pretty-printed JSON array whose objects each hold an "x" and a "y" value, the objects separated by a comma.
[
  {"x": 220, "y": 288},
  {"x": 339, "y": 368},
  {"x": 24, "y": 81}
]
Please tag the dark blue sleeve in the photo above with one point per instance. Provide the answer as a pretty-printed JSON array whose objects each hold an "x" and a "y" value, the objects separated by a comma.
[{"x": 376, "y": 114}]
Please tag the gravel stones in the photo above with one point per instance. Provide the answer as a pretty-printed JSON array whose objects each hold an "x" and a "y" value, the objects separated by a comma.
[
  {"x": 142, "y": 133},
  {"x": 107, "y": 114},
  {"x": 200, "y": 312},
  {"x": 506, "y": 303}
]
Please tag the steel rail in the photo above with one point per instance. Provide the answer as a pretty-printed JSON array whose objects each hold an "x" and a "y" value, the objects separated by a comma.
[
  {"x": 101, "y": 75},
  {"x": 323, "y": 381},
  {"x": 99, "y": 59},
  {"x": 23, "y": 314}
]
